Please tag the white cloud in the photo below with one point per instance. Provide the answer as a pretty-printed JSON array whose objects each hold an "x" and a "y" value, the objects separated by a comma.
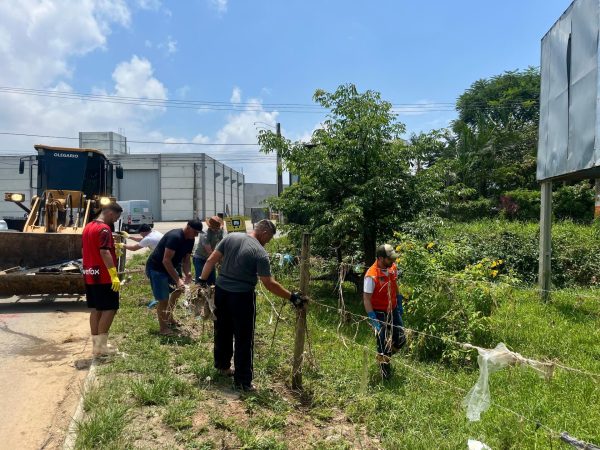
[
  {"x": 170, "y": 45},
  {"x": 39, "y": 38},
  {"x": 183, "y": 91},
  {"x": 40, "y": 42},
  {"x": 135, "y": 78},
  {"x": 236, "y": 95},
  {"x": 219, "y": 5},
  {"x": 152, "y": 5}
]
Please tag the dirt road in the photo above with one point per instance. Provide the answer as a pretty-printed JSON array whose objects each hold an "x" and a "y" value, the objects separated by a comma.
[{"x": 44, "y": 356}]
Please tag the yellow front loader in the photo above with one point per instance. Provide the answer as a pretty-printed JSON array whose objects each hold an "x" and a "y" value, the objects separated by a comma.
[{"x": 45, "y": 257}]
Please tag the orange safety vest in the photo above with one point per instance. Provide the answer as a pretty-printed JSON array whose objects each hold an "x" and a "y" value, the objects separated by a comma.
[{"x": 386, "y": 287}]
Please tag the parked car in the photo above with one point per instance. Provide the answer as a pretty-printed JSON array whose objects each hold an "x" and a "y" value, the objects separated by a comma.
[
  {"x": 3, "y": 225},
  {"x": 135, "y": 213}
]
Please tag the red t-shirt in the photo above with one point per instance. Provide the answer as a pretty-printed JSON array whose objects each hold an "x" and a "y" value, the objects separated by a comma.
[{"x": 96, "y": 236}]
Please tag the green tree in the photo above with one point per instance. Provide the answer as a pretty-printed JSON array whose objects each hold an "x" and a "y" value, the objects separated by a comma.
[
  {"x": 496, "y": 132},
  {"x": 355, "y": 180}
]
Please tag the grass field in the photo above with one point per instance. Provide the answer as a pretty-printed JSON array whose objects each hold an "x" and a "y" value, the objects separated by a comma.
[{"x": 164, "y": 392}]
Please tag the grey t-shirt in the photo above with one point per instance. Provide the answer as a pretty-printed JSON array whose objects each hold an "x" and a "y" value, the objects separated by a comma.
[
  {"x": 212, "y": 238},
  {"x": 244, "y": 260}
]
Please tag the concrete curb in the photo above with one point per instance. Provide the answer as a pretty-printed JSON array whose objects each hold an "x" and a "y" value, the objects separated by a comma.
[{"x": 71, "y": 436}]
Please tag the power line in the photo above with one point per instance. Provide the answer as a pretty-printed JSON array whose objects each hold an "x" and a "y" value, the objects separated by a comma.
[
  {"x": 7, "y": 133},
  {"x": 400, "y": 108}
]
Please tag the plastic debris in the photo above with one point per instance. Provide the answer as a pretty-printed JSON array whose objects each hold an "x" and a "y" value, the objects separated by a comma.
[
  {"x": 472, "y": 444},
  {"x": 492, "y": 360},
  {"x": 152, "y": 303}
]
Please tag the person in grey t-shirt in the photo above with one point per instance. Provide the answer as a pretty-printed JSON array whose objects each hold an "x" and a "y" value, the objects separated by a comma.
[{"x": 243, "y": 262}]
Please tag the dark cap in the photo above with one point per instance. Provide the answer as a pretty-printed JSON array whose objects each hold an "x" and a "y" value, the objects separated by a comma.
[
  {"x": 145, "y": 228},
  {"x": 195, "y": 224}
]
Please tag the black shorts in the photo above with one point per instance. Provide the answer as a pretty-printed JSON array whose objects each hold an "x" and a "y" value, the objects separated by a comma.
[{"x": 101, "y": 297}]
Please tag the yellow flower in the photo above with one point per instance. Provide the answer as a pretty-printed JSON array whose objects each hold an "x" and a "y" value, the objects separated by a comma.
[
  {"x": 398, "y": 248},
  {"x": 430, "y": 245},
  {"x": 494, "y": 273}
]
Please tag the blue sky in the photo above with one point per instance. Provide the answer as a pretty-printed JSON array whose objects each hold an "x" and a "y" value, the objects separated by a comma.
[{"x": 259, "y": 51}]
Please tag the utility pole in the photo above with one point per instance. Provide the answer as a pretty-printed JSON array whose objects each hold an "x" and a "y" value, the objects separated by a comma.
[
  {"x": 195, "y": 193},
  {"x": 279, "y": 165}
]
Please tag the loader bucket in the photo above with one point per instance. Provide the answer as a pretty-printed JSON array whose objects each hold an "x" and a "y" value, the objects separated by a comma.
[
  {"x": 37, "y": 249},
  {"x": 41, "y": 284},
  {"x": 19, "y": 251}
]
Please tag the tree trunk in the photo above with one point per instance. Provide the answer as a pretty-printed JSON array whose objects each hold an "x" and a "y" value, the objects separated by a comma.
[{"x": 369, "y": 244}]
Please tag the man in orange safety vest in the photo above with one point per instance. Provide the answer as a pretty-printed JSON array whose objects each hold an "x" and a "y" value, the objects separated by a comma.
[{"x": 383, "y": 305}]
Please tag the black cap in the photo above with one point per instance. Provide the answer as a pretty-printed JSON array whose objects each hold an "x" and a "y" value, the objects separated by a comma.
[
  {"x": 195, "y": 224},
  {"x": 145, "y": 228}
]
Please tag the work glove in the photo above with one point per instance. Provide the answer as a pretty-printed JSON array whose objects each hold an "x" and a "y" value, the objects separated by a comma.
[
  {"x": 375, "y": 323},
  {"x": 298, "y": 299},
  {"x": 400, "y": 306},
  {"x": 114, "y": 279},
  {"x": 119, "y": 249},
  {"x": 125, "y": 234}
]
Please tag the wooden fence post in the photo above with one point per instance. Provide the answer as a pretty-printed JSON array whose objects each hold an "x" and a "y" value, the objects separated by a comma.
[{"x": 301, "y": 314}]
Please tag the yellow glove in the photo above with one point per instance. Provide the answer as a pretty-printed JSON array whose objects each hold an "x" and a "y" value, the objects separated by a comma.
[
  {"x": 125, "y": 234},
  {"x": 119, "y": 249},
  {"x": 114, "y": 278}
]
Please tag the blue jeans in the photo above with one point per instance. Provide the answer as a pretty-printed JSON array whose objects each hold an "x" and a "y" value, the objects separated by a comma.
[
  {"x": 161, "y": 283},
  {"x": 391, "y": 337},
  {"x": 199, "y": 265}
]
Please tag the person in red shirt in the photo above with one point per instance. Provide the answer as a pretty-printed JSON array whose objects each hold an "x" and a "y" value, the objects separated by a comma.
[
  {"x": 382, "y": 303},
  {"x": 102, "y": 282}
]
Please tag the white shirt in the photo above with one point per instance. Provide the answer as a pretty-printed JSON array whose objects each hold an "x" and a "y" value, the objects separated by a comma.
[{"x": 151, "y": 240}]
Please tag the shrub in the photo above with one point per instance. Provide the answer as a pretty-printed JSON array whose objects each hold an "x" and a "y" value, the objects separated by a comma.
[
  {"x": 471, "y": 209},
  {"x": 521, "y": 204},
  {"x": 574, "y": 249},
  {"x": 574, "y": 202},
  {"x": 454, "y": 306}
]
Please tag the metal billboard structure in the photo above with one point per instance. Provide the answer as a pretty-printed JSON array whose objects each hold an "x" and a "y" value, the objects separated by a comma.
[
  {"x": 569, "y": 132},
  {"x": 569, "y": 128}
]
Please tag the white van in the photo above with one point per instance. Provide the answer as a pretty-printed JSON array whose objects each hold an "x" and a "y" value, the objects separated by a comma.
[{"x": 135, "y": 213}]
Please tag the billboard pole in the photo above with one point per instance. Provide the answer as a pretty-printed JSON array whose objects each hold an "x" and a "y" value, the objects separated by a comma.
[
  {"x": 544, "y": 274},
  {"x": 597, "y": 199}
]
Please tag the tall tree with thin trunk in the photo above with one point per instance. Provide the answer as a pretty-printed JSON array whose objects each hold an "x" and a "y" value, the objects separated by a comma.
[{"x": 355, "y": 182}]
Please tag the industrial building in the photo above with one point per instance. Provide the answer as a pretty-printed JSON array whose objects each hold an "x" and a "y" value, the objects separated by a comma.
[
  {"x": 179, "y": 186},
  {"x": 256, "y": 194}
]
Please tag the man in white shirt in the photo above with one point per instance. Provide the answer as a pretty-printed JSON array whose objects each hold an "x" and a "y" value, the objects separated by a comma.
[{"x": 148, "y": 238}]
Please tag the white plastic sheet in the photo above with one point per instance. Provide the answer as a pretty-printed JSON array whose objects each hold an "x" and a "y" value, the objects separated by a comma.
[
  {"x": 492, "y": 360},
  {"x": 472, "y": 444}
]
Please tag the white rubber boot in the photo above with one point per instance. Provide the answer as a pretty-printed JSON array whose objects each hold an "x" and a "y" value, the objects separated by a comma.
[
  {"x": 95, "y": 345},
  {"x": 104, "y": 347}
]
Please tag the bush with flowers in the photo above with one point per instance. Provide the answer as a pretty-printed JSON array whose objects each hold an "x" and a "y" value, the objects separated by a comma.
[{"x": 448, "y": 298}]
